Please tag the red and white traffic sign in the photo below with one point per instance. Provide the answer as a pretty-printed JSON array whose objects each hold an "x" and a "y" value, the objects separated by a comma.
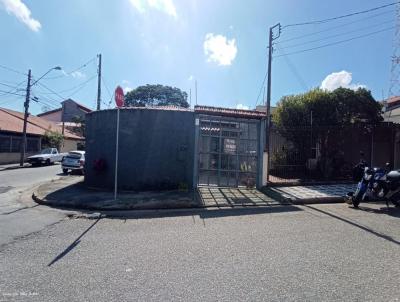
[{"x": 119, "y": 96}]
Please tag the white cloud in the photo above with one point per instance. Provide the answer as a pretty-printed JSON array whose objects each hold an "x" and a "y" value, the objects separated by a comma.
[
  {"x": 22, "y": 13},
  {"x": 219, "y": 49},
  {"x": 125, "y": 82},
  {"x": 191, "y": 78},
  {"x": 340, "y": 79},
  {"x": 127, "y": 89},
  {"x": 165, "y": 6},
  {"x": 78, "y": 75},
  {"x": 243, "y": 107}
]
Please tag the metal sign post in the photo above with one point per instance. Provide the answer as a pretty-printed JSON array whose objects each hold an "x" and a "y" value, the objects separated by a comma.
[
  {"x": 116, "y": 158},
  {"x": 119, "y": 100}
]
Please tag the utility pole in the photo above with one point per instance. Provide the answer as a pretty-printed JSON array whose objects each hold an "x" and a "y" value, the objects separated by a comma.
[
  {"x": 190, "y": 97},
  {"x": 268, "y": 111},
  {"x": 99, "y": 82},
  {"x": 195, "y": 88},
  {"x": 26, "y": 105}
]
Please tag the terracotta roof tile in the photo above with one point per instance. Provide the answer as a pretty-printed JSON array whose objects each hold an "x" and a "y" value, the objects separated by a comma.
[
  {"x": 13, "y": 121},
  {"x": 230, "y": 112}
]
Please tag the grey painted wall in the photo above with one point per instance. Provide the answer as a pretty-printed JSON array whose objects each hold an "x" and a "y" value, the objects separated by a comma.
[
  {"x": 71, "y": 110},
  {"x": 156, "y": 148}
]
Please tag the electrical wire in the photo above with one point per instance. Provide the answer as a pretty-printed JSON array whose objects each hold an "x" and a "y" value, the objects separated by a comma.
[
  {"x": 8, "y": 92},
  {"x": 12, "y": 70},
  {"x": 293, "y": 68},
  {"x": 341, "y": 17},
  {"x": 72, "y": 88},
  {"x": 109, "y": 93},
  {"x": 335, "y": 43},
  {"x": 261, "y": 88},
  {"x": 71, "y": 72},
  {"x": 335, "y": 27},
  {"x": 51, "y": 90},
  {"x": 335, "y": 35},
  {"x": 81, "y": 86}
]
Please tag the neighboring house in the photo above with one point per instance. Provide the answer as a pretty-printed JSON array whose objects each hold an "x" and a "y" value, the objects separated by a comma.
[
  {"x": 391, "y": 109},
  {"x": 11, "y": 125},
  {"x": 68, "y": 113}
]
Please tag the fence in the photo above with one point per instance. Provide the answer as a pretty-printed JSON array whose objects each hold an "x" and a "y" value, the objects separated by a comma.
[
  {"x": 329, "y": 153},
  {"x": 12, "y": 144}
]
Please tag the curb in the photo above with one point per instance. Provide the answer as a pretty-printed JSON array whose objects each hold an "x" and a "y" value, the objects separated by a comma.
[
  {"x": 66, "y": 206},
  {"x": 302, "y": 201}
]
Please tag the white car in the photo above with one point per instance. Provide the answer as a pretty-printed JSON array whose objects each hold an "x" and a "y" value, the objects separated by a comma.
[
  {"x": 73, "y": 161},
  {"x": 47, "y": 156}
]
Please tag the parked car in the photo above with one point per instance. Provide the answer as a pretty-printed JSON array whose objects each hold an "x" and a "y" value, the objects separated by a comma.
[
  {"x": 47, "y": 156},
  {"x": 73, "y": 161}
]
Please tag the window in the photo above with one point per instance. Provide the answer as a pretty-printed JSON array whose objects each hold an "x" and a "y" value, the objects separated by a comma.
[{"x": 5, "y": 143}]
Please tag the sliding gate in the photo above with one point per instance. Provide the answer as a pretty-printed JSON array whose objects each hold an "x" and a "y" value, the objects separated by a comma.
[{"x": 228, "y": 151}]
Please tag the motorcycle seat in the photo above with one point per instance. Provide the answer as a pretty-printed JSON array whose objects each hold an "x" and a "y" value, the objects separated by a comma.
[{"x": 393, "y": 176}]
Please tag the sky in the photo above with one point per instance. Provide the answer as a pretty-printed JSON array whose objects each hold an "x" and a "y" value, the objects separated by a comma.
[{"x": 220, "y": 44}]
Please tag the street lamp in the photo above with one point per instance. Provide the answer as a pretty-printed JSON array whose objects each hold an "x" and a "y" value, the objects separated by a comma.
[{"x": 26, "y": 105}]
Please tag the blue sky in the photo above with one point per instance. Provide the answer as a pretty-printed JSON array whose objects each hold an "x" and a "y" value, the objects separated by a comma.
[{"x": 222, "y": 44}]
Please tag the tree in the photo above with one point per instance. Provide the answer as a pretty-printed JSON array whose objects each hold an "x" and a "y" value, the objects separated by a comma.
[
  {"x": 332, "y": 114},
  {"x": 53, "y": 139},
  {"x": 156, "y": 95},
  {"x": 340, "y": 107},
  {"x": 80, "y": 126}
]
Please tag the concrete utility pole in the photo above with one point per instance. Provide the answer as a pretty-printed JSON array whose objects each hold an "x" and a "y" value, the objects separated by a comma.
[
  {"x": 99, "y": 82},
  {"x": 195, "y": 90},
  {"x": 268, "y": 105},
  {"x": 26, "y": 105}
]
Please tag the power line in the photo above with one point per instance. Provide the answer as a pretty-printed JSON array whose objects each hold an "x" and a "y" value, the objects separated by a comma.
[
  {"x": 340, "y": 17},
  {"x": 71, "y": 72},
  {"x": 261, "y": 88},
  {"x": 82, "y": 86},
  {"x": 293, "y": 69},
  {"x": 337, "y": 42},
  {"x": 72, "y": 88},
  {"x": 108, "y": 91},
  {"x": 12, "y": 70},
  {"x": 51, "y": 90},
  {"x": 8, "y": 92},
  {"x": 335, "y": 27},
  {"x": 335, "y": 35}
]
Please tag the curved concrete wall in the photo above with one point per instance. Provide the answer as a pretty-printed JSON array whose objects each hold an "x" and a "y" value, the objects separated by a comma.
[{"x": 156, "y": 149}]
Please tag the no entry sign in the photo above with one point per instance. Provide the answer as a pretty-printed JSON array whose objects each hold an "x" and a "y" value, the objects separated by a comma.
[{"x": 119, "y": 96}]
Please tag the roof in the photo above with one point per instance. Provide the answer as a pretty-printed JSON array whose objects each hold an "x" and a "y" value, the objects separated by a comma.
[
  {"x": 164, "y": 108},
  {"x": 230, "y": 112},
  {"x": 84, "y": 108},
  {"x": 391, "y": 102},
  {"x": 13, "y": 121}
]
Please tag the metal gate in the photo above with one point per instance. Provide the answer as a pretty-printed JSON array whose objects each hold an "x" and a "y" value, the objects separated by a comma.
[{"x": 228, "y": 152}]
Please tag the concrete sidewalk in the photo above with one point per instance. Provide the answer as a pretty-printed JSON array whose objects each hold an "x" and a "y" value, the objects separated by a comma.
[
  {"x": 310, "y": 194},
  {"x": 4, "y": 167}
]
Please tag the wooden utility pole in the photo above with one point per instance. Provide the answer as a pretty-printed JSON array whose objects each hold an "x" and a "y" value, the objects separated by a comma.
[
  {"x": 26, "y": 105},
  {"x": 99, "y": 83}
]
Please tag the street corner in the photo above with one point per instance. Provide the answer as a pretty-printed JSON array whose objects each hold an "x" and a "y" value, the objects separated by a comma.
[{"x": 71, "y": 193}]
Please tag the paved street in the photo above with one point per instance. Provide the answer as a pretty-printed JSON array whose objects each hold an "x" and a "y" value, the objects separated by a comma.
[
  {"x": 280, "y": 253},
  {"x": 19, "y": 215}
]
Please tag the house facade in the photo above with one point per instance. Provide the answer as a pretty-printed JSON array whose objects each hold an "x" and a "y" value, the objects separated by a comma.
[
  {"x": 11, "y": 125},
  {"x": 171, "y": 148}
]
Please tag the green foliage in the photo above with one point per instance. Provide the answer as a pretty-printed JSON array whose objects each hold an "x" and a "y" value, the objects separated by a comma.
[
  {"x": 156, "y": 95},
  {"x": 339, "y": 107},
  {"x": 53, "y": 139},
  {"x": 80, "y": 125},
  {"x": 331, "y": 111}
]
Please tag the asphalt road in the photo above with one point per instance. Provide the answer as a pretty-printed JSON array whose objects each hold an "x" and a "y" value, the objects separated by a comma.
[
  {"x": 280, "y": 253},
  {"x": 19, "y": 215}
]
